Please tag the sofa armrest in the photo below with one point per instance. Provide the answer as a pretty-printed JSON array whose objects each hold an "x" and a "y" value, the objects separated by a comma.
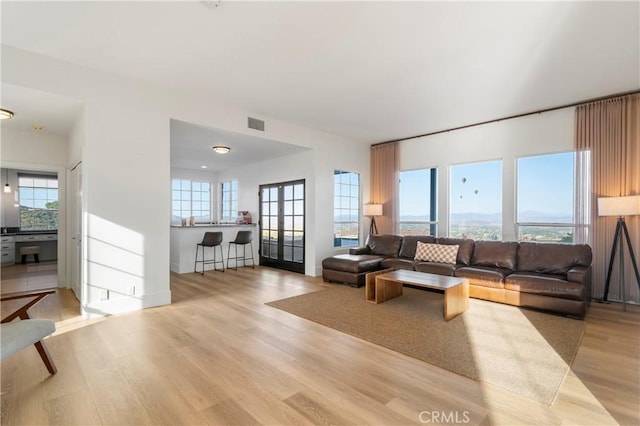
[
  {"x": 581, "y": 274},
  {"x": 360, "y": 250}
]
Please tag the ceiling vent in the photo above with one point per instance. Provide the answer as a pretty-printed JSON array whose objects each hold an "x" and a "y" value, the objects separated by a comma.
[{"x": 256, "y": 124}]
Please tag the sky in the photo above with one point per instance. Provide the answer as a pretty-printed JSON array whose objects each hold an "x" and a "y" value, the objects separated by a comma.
[{"x": 545, "y": 184}]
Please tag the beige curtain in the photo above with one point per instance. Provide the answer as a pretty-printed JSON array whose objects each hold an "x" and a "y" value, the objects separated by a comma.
[
  {"x": 608, "y": 146},
  {"x": 384, "y": 185}
]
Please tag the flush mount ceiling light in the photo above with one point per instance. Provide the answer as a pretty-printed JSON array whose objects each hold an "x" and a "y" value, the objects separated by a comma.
[
  {"x": 5, "y": 114},
  {"x": 221, "y": 149}
]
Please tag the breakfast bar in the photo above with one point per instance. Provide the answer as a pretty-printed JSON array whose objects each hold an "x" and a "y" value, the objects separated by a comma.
[{"x": 184, "y": 240}]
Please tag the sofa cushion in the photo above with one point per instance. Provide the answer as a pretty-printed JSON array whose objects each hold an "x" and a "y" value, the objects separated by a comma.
[
  {"x": 384, "y": 245},
  {"x": 497, "y": 254},
  {"x": 409, "y": 243},
  {"x": 545, "y": 285},
  {"x": 397, "y": 263},
  {"x": 354, "y": 263},
  {"x": 446, "y": 269},
  {"x": 483, "y": 276},
  {"x": 439, "y": 253},
  {"x": 552, "y": 258},
  {"x": 465, "y": 248}
]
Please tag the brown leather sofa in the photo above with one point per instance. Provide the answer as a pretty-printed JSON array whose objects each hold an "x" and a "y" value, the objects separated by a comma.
[{"x": 548, "y": 276}]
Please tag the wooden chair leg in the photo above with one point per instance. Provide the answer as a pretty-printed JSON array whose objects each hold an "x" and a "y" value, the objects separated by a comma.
[{"x": 46, "y": 357}]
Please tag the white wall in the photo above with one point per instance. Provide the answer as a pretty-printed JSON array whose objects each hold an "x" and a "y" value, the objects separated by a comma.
[
  {"x": 33, "y": 147},
  {"x": 550, "y": 132},
  {"x": 316, "y": 167},
  {"x": 126, "y": 173}
]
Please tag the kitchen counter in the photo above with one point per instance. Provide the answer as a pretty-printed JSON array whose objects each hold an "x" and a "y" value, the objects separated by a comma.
[
  {"x": 184, "y": 239},
  {"x": 215, "y": 225},
  {"x": 30, "y": 233}
]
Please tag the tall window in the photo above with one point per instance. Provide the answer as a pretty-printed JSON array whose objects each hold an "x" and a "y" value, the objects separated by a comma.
[
  {"x": 38, "y": 202},
  {"x": 545, "y": 198},
  {"x": 189, "y": 198},
  {"x": 475, "y": 200},
  {"x": 229, "y": 201},
  {"x": 346, "y": 209},
  {"x": 418, "y": 202}
]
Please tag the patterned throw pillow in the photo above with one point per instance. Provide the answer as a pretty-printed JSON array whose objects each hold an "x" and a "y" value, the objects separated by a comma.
[{"x": 440, "y": 253}]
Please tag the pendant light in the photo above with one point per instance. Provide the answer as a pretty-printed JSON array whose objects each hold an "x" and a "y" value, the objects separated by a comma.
[{"x": 7, "y": 187}]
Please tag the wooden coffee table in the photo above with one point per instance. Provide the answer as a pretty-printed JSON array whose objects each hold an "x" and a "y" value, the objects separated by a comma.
[{"x": 384, "y": 285}]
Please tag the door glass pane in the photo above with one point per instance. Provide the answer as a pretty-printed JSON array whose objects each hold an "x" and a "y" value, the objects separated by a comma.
[
  {"x": 298, "y": 254},
  {"x": 288, "y": 223},
  {"x": 288, "y": 192},
  {"x": 288, "y": 253},
  {"x": 298, "y": 192},
  {"x": 298, "y": 207},
  {"x": 288, "y": 207},
  {"x": 288, "y": 238}
]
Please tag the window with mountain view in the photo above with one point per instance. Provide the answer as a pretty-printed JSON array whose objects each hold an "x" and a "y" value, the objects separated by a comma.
[
  {"x": 190, "y": 198},
  {"x": 418, "y": 202},
  {"x": 346, "y": 209},
  {"x": 475, "y": 200},
  {"x": 229, "y": 201},
  {"x": 545, "y": 198},
  {"x": 38, "y": 202}
]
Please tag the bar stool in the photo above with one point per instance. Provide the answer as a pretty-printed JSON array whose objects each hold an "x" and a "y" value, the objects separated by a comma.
[
  {"x": 210, "y": 239},
  {"x": 242, "y": 238},
  {"x": 25, "y": 251}
]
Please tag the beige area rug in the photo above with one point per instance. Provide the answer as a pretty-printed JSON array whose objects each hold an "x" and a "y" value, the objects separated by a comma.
[{"x": 523, "y": 351}]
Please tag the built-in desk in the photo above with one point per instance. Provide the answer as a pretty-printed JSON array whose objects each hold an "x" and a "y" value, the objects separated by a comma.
[
  {"x": 47, "y": 241},
  {"x": 184, "y": 240}
]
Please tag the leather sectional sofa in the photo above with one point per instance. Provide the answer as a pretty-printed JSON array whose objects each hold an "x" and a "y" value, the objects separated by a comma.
[{"x": 548, "y": 276}]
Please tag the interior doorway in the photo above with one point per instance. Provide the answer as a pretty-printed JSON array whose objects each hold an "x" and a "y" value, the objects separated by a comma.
[{"x": 282, "y": 225}]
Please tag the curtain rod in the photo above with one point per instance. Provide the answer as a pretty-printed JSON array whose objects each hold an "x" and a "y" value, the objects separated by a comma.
[{"x": 495, "y": 120}]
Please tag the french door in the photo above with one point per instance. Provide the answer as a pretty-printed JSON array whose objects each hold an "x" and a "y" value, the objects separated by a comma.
[{"x": 282, "y": 225}]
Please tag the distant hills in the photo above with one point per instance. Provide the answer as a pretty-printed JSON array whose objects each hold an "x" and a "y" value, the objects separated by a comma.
[
  {"x": 486, "y": 218},
  {"x": 495, "y": 218}
]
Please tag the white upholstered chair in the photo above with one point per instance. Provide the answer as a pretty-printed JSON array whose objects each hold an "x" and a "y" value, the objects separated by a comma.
[{"x": 18, "y": 330}]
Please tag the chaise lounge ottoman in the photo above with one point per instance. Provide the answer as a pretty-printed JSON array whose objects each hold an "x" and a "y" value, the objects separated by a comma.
[{"x": 349, "y": 268}]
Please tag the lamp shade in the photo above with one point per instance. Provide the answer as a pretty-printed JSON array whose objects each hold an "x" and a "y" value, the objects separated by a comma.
[
  {"x": 619, "y": 206},
  {"x": 372, "y": 210}
]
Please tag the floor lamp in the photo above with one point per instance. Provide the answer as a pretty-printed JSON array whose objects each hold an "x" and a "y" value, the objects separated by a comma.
[
  {"x": 373, "y": 210},
  {"x": 621, "y": 207}
]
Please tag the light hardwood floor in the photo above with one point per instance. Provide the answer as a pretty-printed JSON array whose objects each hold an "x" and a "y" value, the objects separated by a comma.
[{"x": 219, "y": 355}]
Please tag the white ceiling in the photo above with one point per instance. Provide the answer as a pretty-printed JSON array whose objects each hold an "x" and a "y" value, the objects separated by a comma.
[
  {"x": 55, "y": 114},
  {"x": 369, "y": 71},
  {"x": 191, "y": 148}
]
